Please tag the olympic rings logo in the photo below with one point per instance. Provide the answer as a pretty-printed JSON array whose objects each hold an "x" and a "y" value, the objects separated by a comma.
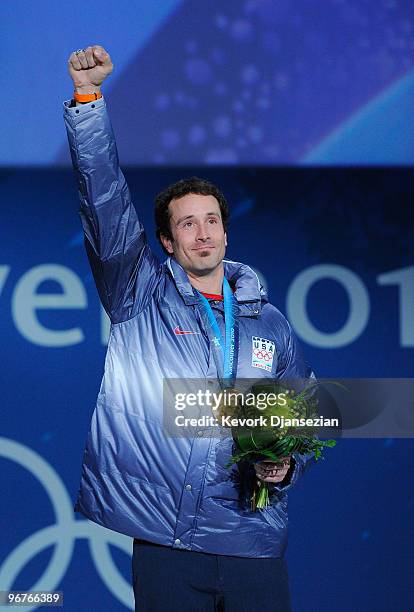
[
  {"x": 62, "y": 534},
  {"x": 263, "y": 355}
]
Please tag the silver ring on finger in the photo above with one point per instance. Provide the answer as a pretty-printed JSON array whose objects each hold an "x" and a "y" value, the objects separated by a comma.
[{"x": 79, "y": 51}]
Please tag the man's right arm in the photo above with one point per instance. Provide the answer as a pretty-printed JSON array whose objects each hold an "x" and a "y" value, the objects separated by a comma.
[{"x": 124, "y": 268}]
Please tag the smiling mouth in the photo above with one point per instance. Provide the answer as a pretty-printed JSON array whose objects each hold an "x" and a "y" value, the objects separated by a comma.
[{"x": 203, "y": 248}]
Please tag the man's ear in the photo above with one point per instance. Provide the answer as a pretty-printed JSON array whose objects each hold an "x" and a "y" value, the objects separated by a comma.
[{"x": 167, "y": 243}]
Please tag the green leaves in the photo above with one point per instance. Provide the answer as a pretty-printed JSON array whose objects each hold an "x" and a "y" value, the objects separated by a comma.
[
  {"x": 269, "y": 442},
  {"x": 251, "y": 450}
]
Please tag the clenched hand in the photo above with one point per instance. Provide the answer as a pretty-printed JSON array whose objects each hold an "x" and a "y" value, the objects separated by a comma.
[
  {"x": 270, "y": 471},
  {"x": 89, "y": 68}
]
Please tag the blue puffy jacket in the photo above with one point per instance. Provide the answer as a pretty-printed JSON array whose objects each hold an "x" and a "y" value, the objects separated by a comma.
[{"x": 136, "y": 479}]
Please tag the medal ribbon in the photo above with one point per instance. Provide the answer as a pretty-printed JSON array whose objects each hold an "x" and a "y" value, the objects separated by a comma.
[{"x": 225, "y": 352}]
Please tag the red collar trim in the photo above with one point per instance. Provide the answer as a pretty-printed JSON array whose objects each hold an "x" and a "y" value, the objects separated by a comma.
[{"x": 212, "y": 296}]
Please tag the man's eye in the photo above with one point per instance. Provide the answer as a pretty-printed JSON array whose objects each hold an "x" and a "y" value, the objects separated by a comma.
[
  {"x": 187, "y": 224},
  {"x": 212, "y": 220}
]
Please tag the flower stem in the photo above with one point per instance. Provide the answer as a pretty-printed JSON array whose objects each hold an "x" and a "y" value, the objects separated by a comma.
[{"x": 263, "y": 495}]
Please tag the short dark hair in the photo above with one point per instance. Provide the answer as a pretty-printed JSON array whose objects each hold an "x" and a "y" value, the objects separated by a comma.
[{"x": 178, "y": 190}]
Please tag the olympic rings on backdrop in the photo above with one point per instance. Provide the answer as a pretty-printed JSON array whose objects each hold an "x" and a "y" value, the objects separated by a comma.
[{"x": 62, "y": 535}]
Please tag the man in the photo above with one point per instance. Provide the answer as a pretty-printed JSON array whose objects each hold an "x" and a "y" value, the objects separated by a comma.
[{"x": 196, "y": 545}]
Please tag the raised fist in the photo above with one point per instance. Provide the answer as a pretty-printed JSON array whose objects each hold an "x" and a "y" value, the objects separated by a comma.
[{"x": 89, "y": 68}]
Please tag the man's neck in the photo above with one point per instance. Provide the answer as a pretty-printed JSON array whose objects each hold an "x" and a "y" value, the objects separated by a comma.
[{"x": 209, "y": 283}]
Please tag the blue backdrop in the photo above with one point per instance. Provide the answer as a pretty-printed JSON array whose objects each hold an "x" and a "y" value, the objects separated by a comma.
[
  {"x": 334, "y": 248},
  {"x": 241, "y": 81}
]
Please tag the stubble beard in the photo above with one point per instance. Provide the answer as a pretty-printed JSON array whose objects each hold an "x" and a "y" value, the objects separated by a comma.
[{"x": 206, "y": 269}]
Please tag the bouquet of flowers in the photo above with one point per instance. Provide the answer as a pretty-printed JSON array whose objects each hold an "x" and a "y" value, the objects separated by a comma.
[{"x": 263, "y": 430}]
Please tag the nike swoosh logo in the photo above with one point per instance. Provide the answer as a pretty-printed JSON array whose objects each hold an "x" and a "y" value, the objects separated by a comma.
[{"x": 180, "y": 332}]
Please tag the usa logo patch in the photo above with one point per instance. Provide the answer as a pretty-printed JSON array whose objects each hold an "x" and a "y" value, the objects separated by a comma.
[{"x": 263, "y": 351}]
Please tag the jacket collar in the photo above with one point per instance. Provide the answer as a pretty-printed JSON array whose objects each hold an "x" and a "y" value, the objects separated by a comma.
[{"x": 249, "y": 292}]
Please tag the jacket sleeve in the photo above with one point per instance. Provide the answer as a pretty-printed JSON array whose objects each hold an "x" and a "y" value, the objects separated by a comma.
[
  {"x": 292, "y": 366},
  {"x": 124, "y": 268},
  {"x": 299, "y": 463}
]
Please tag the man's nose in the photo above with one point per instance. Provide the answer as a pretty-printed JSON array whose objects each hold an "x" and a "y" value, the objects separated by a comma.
[{"x": 203, "y": 233}]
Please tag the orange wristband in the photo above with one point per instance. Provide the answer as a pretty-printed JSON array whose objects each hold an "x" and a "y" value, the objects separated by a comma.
[{"x": 86, "y": 97}]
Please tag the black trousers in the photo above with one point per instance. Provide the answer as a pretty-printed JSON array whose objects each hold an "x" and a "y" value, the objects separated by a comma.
[{"x": 166, "y": 579}]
